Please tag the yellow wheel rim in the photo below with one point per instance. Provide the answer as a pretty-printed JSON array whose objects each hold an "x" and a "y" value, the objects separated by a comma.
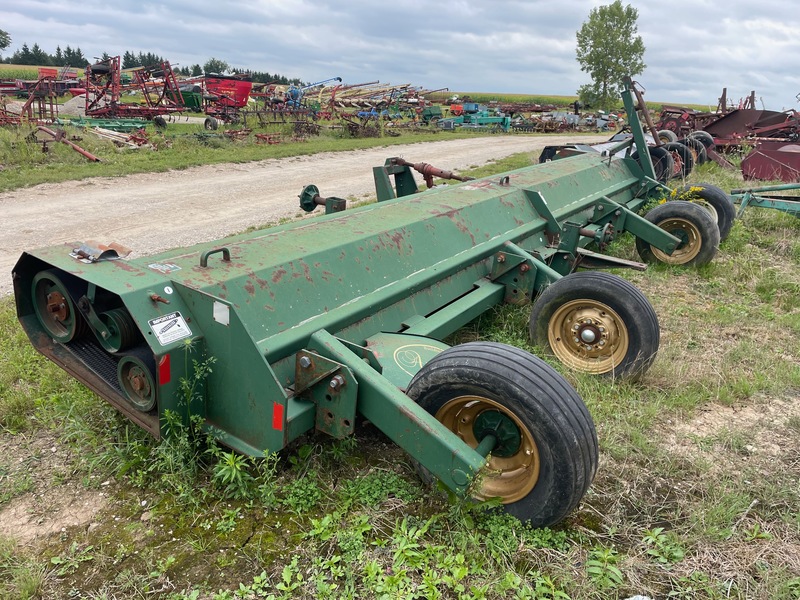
[
  {"x": 588, "y": 336},
  {"x": 509, "y": 478},
  {"x": 708, "y": 207},
  {"x": 688, "y": 249}
]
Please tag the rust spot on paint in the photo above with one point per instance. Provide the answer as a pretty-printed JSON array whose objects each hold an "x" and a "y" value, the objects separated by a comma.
[
  {"x": 398, "y": 237},
  {"x": 250, "y": 288},
  {"x": 278, "y": 274},
  {"x": 125, "y": 266},
  {"x": 506, "y": 202},
  {"x": 464, "y": 229}
]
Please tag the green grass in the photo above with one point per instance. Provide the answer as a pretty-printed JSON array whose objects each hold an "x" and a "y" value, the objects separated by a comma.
[
  {"x": 180, "y": 146},
  {"x": 696, "y": 496}
]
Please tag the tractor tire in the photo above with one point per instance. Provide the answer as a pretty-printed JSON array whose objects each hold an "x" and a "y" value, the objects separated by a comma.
[
  {"x": 697, "y": 149},
  {"x": 715, "y": 201},
  {"x": 101, "y": 69},
  {"x": 546, "y": 454},
  {"x": 596, "y": 323},
  {"x": 703, "y": 137},
  {"x": 691, "y": 223},
  {"x": 160, "y": 122},
  {"x": 663, "y": 163},
  {"x": 667, "y": 136},
  {"x": 211, "y": 124},
  {"x": 684, "y": 161}
]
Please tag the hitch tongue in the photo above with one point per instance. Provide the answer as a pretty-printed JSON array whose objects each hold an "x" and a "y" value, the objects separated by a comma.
[{"x": 428, "y": 171}]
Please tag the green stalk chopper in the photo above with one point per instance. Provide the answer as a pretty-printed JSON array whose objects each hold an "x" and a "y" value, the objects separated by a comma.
[{"x": 315, "y": 323}]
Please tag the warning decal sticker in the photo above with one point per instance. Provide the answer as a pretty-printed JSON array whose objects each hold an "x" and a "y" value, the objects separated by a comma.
[{"x": 170, "y": 328}]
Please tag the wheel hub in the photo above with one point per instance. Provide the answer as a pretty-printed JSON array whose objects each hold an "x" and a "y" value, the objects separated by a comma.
[
  {"x": 588, "y": 335},
  {"x": 138, "y": 382},
  {"x": 504, "y": 430},
  {"x": 57, "y": 306},
  {"x": 690, "y": 241},
  {"x": 513, "y": 467}
]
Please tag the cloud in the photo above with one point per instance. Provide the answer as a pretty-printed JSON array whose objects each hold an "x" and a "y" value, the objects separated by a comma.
[{"x": 693, "y": 48}]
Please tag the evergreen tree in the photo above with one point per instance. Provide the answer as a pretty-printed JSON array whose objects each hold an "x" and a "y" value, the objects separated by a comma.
[
  {"x": 74, "y": 57},
  {"x": 39, "y": 56},
  {"x": 129, "y": 60},
  {"x": 23, "y": 55}
]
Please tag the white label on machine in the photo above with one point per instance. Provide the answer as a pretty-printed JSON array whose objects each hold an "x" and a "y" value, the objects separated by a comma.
[
  {"x": 170, "y": 328},
  {"x": 222, "y": 313}
]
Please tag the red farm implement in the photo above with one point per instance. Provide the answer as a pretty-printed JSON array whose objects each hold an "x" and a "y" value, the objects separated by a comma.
[
  {"x": 40, "y": 106},
  {"x": 220, "y": 97},
  {"x": 157, "y": 83}
]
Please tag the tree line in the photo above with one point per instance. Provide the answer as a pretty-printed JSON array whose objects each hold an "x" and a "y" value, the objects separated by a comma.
[
  {"x": 608, "y": 48},
  {"x": 73, "y": 57}
]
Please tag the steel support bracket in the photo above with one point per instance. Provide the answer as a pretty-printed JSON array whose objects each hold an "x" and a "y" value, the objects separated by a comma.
[
  {"x": 531, "y": 275},
  {"x": 332, "y": 387},
  {"x": 409, "y": 425},
  {"x": 404, "y": 183},
  {"x": 625, "y": 219},
  {"x": 552, "y": 229}
]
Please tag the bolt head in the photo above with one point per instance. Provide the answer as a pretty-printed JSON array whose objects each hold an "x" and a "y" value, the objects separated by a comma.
[{"x": 305, "y": 362}]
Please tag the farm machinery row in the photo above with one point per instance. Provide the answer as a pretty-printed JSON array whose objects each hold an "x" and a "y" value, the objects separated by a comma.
[
  {"x": 154, "y": 93},
  {"x": 219, "y": 97},
  {"x": 318, "y": 323},
  {"x": 769, "y": 138}
]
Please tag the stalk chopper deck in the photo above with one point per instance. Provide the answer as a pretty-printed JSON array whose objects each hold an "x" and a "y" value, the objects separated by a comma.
[{"x": 315, "y": 322}]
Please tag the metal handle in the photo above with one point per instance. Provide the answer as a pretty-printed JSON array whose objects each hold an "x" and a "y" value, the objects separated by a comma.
[{"x": 226, "y": 255}]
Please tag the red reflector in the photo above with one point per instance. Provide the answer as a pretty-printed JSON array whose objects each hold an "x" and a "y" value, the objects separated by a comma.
[
  {"x": 277, "y": 416},
  {"x": 164, "y": 371}
]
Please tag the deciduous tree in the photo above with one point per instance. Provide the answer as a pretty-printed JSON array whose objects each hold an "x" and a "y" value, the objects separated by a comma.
[
  {"x": 214, "y": 65},
  {"x": 608, "y": 49}
]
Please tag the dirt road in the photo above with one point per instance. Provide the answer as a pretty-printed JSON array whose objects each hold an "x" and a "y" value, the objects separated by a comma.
[{"x": 152, "y": 212}]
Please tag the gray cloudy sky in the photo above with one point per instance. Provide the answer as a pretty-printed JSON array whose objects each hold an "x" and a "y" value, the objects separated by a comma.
[{"x": 694, "y": 48}]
